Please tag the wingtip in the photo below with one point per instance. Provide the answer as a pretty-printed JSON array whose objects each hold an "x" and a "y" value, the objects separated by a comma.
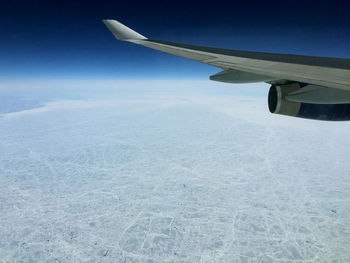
[{"x": 121, "y": 31}]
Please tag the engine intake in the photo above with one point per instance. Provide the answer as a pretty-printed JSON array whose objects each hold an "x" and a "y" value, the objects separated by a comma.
[{"x": 278, "y": 104}]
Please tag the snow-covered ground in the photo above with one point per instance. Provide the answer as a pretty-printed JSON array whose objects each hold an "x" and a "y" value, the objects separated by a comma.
[{"x": 147, "y": 173}]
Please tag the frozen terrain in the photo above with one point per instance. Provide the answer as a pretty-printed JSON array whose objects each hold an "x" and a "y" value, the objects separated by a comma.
[{"x": 193, "y": 172}]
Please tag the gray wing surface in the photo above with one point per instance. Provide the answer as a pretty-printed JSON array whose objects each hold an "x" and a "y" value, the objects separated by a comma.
[{"x": 267, "y": 67}]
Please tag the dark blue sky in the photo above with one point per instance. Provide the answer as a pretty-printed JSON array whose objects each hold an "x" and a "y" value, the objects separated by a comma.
[{"x": 66, "y": 39}]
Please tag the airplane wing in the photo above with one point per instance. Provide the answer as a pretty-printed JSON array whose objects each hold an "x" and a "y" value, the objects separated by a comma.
[
  {"x": 328, "y": 72},
  {"x": 327, "y": 80}
]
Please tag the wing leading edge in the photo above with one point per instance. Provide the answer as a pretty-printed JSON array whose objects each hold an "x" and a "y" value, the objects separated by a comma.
[{"x": 266, "y": 67}]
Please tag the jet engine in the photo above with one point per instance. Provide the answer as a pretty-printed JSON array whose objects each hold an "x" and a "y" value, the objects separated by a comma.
[{"x": 309, "y": 101}]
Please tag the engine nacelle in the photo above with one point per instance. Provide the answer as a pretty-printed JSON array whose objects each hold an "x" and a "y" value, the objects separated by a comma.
[{"x": 279, "y": 104}]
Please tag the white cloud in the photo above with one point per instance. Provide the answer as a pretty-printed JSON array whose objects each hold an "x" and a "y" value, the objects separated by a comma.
[{"x": 197, "y": 174}]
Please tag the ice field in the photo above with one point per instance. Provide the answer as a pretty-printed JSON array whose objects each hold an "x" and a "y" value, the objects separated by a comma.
[{"x": 191, "y": 172}]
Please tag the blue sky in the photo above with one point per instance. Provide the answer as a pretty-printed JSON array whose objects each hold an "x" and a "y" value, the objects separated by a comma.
[{"x": 66, "y": 39}]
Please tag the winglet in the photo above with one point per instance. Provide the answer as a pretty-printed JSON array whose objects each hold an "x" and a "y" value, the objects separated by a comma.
[{"x": 122, "y": 32}]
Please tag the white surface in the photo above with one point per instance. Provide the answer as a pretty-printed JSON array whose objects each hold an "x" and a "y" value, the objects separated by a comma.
[{"x": 160, "y": 175}]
